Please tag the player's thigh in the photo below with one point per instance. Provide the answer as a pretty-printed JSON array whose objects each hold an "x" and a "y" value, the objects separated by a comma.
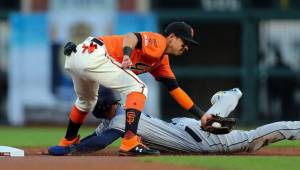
[
  {"x": 86, "y": 91},
  {"x": 111, "y": 75}
]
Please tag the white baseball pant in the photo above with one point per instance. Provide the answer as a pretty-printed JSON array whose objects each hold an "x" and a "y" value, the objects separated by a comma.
[{"x": 89, "y": 70}]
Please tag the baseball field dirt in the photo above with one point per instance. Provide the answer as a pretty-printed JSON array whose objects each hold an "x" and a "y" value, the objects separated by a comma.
[{"x": 37, "y": 159}]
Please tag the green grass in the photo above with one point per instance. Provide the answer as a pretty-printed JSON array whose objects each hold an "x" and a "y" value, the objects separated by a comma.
[
  {"x": 36, "y": 136},
  {"x": 231, "y": 162},
  {"x": 47, "y": 136},
  {"x": 286, "y": 143},
  {"x": 33, "y": 136}
]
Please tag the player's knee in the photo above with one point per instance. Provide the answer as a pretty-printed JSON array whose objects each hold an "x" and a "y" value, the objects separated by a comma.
[
  {"x": 136, "y": 97},
  {"x": 139, "y": 88},
  {"x": 145, "y": 91},
  {"x": 135, "y": 100},
  {"x": 85, "y": 105}
]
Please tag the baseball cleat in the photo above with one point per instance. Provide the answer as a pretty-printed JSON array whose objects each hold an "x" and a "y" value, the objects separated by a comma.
[
  {"x": 139, "y": 150},
  {"x": 64, "y": 147},
  {"x": 134, "y": 147},
  {"x": 216, "y": 97},
  {"x": 65, "y": 142},
  {"x": 59, "y": 150}
]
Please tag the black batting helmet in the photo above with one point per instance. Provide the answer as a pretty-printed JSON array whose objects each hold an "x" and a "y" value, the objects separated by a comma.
[{"x": 106, "y": 98}]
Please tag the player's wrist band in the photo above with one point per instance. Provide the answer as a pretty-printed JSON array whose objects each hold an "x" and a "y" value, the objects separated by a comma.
[
  {"x": 196, "y": 111},
  {"x": 127, "y": 51}
]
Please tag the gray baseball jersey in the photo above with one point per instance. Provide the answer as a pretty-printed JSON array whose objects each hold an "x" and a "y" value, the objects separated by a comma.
[{"x": 184, "y": 135}]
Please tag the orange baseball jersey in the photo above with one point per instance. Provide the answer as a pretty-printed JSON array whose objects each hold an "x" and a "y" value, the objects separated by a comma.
[{"x": 149, "y": 58}]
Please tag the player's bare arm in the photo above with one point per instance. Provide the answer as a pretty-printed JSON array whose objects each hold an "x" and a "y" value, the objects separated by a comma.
[{"x": 129, "y": 42}]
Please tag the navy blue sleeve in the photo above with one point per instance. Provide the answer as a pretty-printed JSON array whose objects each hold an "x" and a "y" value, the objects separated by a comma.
[{"x": 93, "y": 142}]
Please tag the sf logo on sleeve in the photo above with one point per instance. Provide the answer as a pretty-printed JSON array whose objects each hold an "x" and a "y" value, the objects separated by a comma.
[{"x": 130, "y": 117}]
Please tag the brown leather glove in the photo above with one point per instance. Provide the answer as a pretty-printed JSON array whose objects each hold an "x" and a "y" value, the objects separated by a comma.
[{"x": 222, "y": 125}]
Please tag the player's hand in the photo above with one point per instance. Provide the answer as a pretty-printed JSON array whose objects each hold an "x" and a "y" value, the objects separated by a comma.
[
  {"x": 205, "y": 118},
  {"x": 126, "y": 63},
  {"x": 218, "y": 125}
]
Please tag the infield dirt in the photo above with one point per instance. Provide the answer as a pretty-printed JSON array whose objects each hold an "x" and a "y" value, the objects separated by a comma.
[{"x": 36, "y": 159}]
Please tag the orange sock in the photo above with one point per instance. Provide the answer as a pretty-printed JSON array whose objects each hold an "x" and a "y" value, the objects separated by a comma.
[
  {"x": 134, "y": 105},
  {"x": 77, "y": 117}
]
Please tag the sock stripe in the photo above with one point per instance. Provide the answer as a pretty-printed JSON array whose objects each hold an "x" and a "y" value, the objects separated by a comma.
[{"x": 77, "y": 116}]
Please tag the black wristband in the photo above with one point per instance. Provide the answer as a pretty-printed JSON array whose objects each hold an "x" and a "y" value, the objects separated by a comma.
[
  {"x": 127, "y": 51},
  {"x": 171, "y": 84},
  {"x": 139, "y": 43},
  {"x": 196, "y": 111}
]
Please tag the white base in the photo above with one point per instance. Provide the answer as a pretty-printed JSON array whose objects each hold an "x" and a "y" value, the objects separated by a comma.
[{"x": 7, "y": 151}]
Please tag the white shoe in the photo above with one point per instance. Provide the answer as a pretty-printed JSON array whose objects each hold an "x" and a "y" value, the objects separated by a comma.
[
  {"x": 219, "y": 94},
  {"x": 216, "y": 97},
  {"x": 237, "y": 91}
]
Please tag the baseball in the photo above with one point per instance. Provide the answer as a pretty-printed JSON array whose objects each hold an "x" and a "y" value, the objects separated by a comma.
[{"x": 216, "y": 124}]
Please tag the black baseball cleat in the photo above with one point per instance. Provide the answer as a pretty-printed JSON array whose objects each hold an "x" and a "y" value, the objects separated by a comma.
[{"x": 139, "y": 150}]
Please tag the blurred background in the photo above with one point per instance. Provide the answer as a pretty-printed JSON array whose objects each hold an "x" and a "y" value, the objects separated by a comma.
[{"x": 250, "y": 44}]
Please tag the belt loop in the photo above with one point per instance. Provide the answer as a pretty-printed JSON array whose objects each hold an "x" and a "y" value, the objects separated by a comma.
[{"x": 97, "y": 41}]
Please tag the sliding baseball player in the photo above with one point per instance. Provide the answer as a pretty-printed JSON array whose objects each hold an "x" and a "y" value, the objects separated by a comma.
[{"x": 184, "y": 135}]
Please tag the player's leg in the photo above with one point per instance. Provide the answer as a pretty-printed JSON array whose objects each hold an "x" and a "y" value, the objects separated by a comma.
[
  {"x": 86, "y": 99},
  {"x": 239, "y": 141},
  {"x": 128, "y": 84},
  {"x": 86, "y": 91},
  {"x": 98, "y": 67},
  {"x": 87, "y": 94},
  {"x": 224, "y": 102},
  {"x": 87, "y": 69},
  {"x": 270, "y": 133}
]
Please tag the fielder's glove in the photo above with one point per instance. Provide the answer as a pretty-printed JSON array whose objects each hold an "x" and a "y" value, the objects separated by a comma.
[
  {"x": 69, "y": 48},
  {"x": 222, "y": 125}
]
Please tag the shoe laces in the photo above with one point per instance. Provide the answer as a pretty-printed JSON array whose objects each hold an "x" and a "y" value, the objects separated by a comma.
[{"x": 141, "y": 143}]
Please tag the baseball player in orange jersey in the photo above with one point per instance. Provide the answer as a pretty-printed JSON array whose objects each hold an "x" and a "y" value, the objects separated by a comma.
[{"x": 114, "y": 61}]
